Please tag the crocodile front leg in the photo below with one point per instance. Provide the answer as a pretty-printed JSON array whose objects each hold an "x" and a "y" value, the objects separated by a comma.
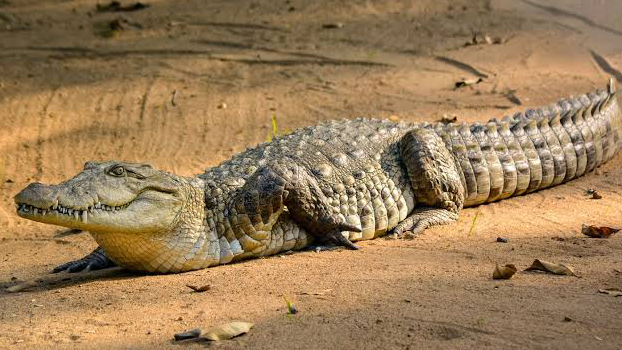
[
  {"x": 96, "y": 260},
  {"x": 275, "y": 187}
]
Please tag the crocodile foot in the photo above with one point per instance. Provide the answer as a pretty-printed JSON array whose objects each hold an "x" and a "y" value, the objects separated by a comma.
[
  {"x": 424, "y": 217},
  {"x": 97, "y": 260}
]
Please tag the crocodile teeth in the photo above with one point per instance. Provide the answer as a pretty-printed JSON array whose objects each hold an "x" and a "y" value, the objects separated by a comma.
[
  {"x": 76, "y": 214},
  {"x": 36, "y": 211},
  {"x": 84, "y": 216}
]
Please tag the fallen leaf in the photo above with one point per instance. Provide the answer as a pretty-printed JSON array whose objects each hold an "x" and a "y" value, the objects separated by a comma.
[
  {"x": 558, "y": 269},
  {"x": 448, "y": 120},
  {"x": 200, "y": 289},
  {"x": 614, "y": 292},
  {"x": 598, "y": 232},
  {"x": 322, "y": 292},
  {"x": 20, "y": 287},
  {"x": 467, "y": 82},
  {"x": 194, "y": 333},
  {"x": 498, "y": 40},
  {"x": 479, "y": 39},
  {"x": 504, "y": 272},
  {"x": 115, "y": 6},
  {"x": 228, "y": 331},
  {"x": 335, "y": 25}
]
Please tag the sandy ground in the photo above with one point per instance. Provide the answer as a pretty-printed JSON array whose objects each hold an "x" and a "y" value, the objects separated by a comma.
[{"x": 71, "y": 91}]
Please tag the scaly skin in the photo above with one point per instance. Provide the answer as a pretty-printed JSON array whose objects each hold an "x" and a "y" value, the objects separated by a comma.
[{"x": 337, "y": 182}]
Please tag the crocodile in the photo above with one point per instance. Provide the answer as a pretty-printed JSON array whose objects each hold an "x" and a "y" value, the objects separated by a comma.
[{"x": 331, "y": 184}]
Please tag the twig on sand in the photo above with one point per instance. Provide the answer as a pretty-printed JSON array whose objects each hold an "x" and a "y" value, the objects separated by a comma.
[{"x": 173, "y": 98}]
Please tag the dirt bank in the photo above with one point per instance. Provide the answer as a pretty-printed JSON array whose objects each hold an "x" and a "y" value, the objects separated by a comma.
[{"x": 73, "y": 89}]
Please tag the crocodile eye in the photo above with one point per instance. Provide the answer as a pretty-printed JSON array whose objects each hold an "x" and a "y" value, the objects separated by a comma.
[{"x": 117, "y": 171}]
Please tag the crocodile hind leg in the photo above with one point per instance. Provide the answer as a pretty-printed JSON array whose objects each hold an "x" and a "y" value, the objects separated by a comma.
[
  {"x": 275, "y": 187},
  {"x": 96, "y": 260},
  {"x": 436, "y": 181}
]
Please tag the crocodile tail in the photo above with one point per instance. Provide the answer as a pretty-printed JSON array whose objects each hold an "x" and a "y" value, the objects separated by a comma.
[{"x": 538, "y": 148}]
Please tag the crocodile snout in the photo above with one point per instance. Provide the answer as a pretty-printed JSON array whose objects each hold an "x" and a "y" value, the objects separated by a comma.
[{"x": 37, "y": 195}]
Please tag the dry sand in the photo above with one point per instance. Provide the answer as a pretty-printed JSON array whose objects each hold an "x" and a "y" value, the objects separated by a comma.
[{"x": 69, "y": 95}]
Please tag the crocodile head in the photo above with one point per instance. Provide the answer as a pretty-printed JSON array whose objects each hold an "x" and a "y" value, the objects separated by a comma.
[{"x": 108, "y": 197}]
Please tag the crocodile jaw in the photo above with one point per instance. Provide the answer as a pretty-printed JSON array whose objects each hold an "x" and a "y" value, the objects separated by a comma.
[{"x": 149, "y": 212}]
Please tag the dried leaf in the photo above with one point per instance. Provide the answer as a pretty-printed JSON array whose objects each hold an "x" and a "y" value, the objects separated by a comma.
[
  {"x": 228, "y": 331},
  {"x": 598, "y": 231},
  {"x": 200, "y": 289},
  {"x": 335, "y": 25},
  {"x": 499, "y": 40},
  {"x": 480, "y": 39},
  {"x": 20, "y": 287},
  {"x": 467, "y": 82},
  {"x": 614, "y": 292},
  {"x": 115, "y": 6},
  {"x": 504, "y": 272},
  {"x": 558, "y": 269},
  {"x": 448, "y": 120},
  {"x": 319, "y": 293}
]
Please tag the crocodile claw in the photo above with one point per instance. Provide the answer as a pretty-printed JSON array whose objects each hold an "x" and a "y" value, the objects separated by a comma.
[
  {"x": 97, "y": 260},
  {"x": 337, "y": 238},
  {"x": 331, "y": 241}
]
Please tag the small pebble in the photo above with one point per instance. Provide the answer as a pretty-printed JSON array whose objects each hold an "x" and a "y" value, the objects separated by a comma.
[
  {"x": 502, "y": 240},
  {"x": 222, "y": 105}
]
